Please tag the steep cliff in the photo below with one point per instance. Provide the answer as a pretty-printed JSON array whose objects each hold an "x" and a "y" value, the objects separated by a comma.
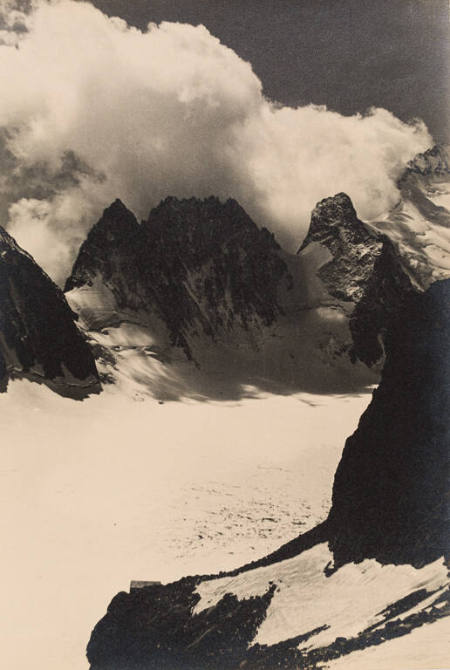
[
  {"x": 391, "y": 486},
  {"x": 38, "y": 337}
]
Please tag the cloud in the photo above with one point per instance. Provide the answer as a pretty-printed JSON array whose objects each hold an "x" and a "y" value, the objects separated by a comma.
[{"x": 93, "y": 109}]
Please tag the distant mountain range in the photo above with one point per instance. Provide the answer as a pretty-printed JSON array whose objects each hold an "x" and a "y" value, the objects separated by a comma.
[
  {"x": 198, "y": 294},
  {"x": 199, "y": 301}
]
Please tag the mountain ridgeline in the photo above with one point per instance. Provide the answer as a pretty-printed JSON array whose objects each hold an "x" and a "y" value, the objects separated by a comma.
[
  {"x": 199, "y": 278},
  {"x": 198, "y": 301}
]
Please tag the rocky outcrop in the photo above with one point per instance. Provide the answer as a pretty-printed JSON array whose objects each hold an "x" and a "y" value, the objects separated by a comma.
[
  {"x": 391, "y": 486},
  {"x": 38, "y": 336},
  {"x": 389, "y": 504},
  {"x": 433, "y": 162},
  {"x": 364, "y": 274}
]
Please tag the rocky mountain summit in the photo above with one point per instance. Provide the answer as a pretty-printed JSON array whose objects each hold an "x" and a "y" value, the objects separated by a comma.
[
  {"x": 433, "y": 162},
  {"x": 200, "y": 267},
  {"x": 288, "y": 609},
  {"x": 364, "y": 273},
  {"x": 38, "y": 336}
]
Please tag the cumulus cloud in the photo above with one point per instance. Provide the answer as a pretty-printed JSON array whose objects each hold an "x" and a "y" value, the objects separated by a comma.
[{"x": 93, "y": 109}]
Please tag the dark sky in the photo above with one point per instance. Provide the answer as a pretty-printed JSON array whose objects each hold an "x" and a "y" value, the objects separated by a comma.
[{"x": 347, "y": 54}]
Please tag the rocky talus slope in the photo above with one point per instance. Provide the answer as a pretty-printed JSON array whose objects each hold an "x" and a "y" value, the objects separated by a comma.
[{"x": 38, "y": 336}]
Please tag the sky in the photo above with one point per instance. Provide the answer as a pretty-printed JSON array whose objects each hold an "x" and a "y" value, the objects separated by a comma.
[
  {"x": 277, "y": 105},
  {"x": 348, "y": 55}
]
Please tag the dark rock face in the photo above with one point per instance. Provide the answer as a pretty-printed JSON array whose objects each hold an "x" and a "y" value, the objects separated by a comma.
[
  {"x": 38, "y": 336},
  {"x": 365, "y": 273},
  {"x": 153, "y": 629},
  {"x": 201, "y": 265},
  {"x": 354, "y": 249},
  {"x": 108, "y": 247},
  {"x": 390, "y": 489}
]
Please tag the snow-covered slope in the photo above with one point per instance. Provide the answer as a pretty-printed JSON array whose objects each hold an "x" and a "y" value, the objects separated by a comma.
[
  {"x": 38, "y": 337},
  {"x": 419, "y": 224},
  {"x": 100, "y": 492},
  {"x": 373, "y": 571}
]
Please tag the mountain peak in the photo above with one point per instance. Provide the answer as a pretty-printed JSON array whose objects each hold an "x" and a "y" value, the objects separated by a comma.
[
  {"x": 330, "y": 218},
  {"x": 117, "y": 221},
  {"x": 116, "y": 229},
  {"x": 116, "y": 207},
  {"x": 199, "y": 266},
  {"x": 363, "y": 271},
  {"x": 193, "y": 225},
  {"x": 432, "y": 161},
  {"x": 336, "y": 209}
]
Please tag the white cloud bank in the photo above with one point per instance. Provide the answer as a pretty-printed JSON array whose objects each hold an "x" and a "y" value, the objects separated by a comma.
[{"x": 92, "y": 109}]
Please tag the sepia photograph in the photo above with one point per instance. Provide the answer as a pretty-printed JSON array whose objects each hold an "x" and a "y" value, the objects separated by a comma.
[{"x": 225, "y": 334}]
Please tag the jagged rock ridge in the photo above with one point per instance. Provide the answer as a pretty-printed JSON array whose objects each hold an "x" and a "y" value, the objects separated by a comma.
[
  {"x": 434, "y": 161},
  {"x": 38, "y": 337},
  {"x": 201, "y": 276},
  {"x": 199, "y": 281}
]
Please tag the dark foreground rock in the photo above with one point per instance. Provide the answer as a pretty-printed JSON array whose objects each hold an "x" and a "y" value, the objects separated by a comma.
[
  {"x": 389, "y": 504},
  {"x": 391, "y": 486},
  {"x": 38, "y": 336}
]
